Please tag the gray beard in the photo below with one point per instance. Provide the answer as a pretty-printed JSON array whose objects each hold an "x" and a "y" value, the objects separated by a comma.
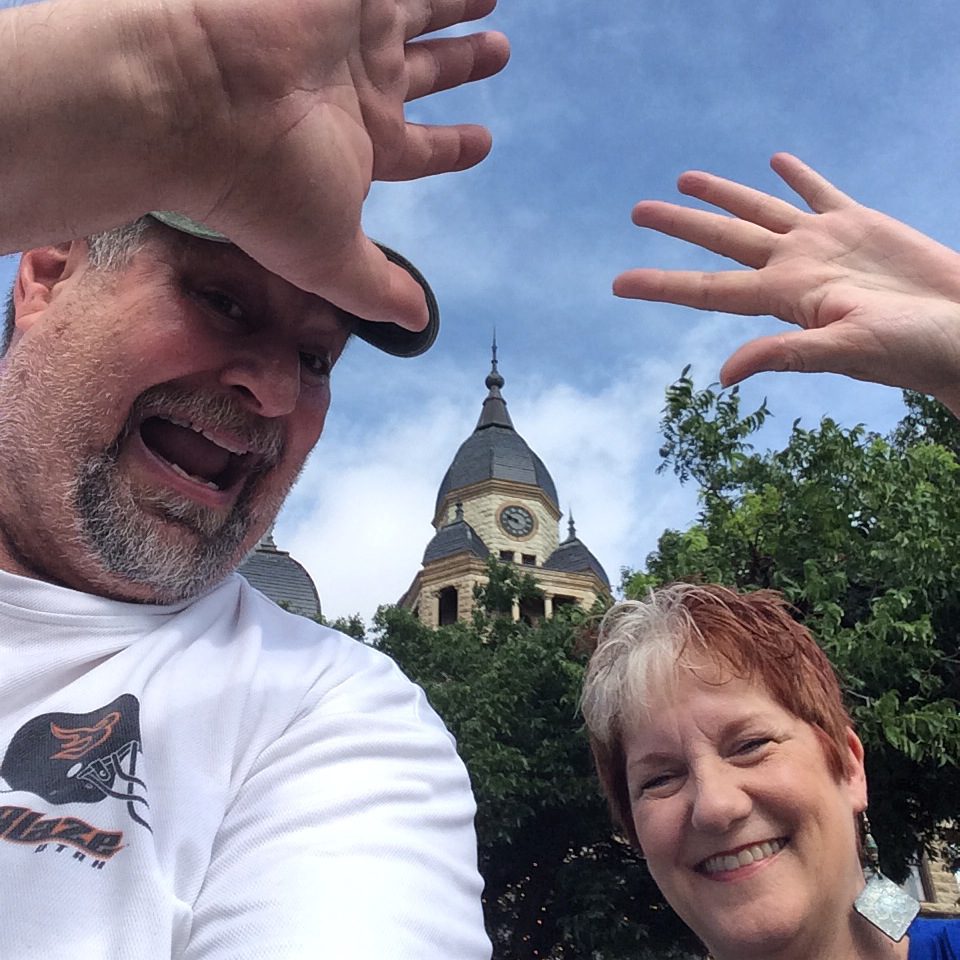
[
  {"x": 120, "y": 529},
  {"x": 121, "y": 534}
]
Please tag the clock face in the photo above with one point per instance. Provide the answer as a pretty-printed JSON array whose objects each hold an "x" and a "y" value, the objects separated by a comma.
[{"x": 517, "y": 521}]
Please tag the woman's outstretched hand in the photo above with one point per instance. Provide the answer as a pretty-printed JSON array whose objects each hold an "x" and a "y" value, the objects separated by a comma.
[{"x": 874, "y": 298}]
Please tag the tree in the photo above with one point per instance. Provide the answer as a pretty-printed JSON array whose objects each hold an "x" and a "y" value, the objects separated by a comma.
[
  {"x": 352, "y": 626},
  {"x": 862, "y": 533},
  {"x": 559, "y": 883}
]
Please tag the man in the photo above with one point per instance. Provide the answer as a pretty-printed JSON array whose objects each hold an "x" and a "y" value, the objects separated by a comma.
[{"x": 187, "y": 771}]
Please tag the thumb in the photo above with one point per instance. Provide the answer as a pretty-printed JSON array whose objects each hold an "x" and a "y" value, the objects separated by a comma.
[
  {"x": 801, "y": 351},
  {"x": 371, "y": 286}
]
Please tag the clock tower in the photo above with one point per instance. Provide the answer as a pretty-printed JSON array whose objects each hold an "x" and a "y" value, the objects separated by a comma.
[{"x": 498, "y": 499}]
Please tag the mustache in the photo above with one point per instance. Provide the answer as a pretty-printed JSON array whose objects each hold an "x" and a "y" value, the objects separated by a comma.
[{"x": 264, "y": 437}]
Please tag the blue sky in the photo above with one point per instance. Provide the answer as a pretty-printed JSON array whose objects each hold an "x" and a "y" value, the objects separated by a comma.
[{"x": 604, "y": 103}]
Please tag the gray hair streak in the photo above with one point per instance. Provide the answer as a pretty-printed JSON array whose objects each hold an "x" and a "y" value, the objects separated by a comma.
[
  {"x": 642, "y": 646},
  {"x": 110, "y": 250}
]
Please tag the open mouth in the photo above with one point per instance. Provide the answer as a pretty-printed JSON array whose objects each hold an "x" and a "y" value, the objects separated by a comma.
[
  {"x": 212, "y": 459},
  {"x": 742, "y": 857}
]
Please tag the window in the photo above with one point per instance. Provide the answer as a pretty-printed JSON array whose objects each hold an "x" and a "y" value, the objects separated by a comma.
[
  {"x": 448, "y": 606},
  {"x": 507, "y": 556},
  {"x": 531, "y": 610},
  {"x": 529, "y": 560}
]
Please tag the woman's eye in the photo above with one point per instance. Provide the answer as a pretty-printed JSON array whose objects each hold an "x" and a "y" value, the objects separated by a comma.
[
  {"x": 316, "y": 365},
  {"x": 752, "y": 745},
  {"x": 660, "y": 781}
]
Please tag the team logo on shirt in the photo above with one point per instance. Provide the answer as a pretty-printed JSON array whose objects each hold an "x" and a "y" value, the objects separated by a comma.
[{"x": 76, "y": 758}]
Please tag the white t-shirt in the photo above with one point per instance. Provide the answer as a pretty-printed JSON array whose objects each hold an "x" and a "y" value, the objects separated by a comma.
[{"x": 220, "y": 780}]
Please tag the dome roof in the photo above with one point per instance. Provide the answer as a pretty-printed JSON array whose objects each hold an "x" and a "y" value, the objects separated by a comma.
[
  {"x": 495, "y": 450},
  {"x": 455, "y": 537},
  {"x": 285, "y": 581},
  {"x": 573, "y": 557}
]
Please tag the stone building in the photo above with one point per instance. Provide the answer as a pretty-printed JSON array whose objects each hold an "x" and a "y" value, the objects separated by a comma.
[
  {"x": 498, "y": 499},
  {"x": 936, "y": 884}
]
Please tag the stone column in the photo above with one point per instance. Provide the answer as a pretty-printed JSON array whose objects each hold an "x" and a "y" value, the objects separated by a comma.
[{"x": 430, "y": 604}]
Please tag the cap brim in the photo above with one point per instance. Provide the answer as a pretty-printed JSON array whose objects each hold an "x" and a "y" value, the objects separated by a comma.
[{"x": 386, "y": 336}]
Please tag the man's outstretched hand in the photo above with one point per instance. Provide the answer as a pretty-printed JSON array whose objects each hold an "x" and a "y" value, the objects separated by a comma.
[
  {"x": 265, "y": 120},
  {"x": 874, "y": 298},
  {"x": 319, "y": 115}
]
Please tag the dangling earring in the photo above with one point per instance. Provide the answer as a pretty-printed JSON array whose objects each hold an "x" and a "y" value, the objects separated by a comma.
[{"x": 882, "y": 902}]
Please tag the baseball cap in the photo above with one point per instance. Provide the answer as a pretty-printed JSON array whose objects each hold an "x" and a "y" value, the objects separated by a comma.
[{"x": 389, "y": 337}]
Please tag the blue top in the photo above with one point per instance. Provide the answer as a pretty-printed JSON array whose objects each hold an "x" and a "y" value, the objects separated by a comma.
[{"x": 934, "y": 939}]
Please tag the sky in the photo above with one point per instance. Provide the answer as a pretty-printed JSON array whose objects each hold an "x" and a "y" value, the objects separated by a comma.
[{"x": 604, "y": 103}]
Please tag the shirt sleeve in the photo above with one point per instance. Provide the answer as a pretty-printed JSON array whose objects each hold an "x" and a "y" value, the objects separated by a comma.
[
  {"x": 350, "y": 838},
  {"x": 932, "y": 939}
]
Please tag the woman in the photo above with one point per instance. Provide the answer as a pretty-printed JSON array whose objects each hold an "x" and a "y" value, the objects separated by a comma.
[{"x": 729, "y": 761}]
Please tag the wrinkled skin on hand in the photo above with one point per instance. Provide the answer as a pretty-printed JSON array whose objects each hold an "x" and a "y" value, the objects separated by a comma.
[
  {"x": 875, "y": 299},
  {"x": 301, "y": 106},
  {"x": 265, "y": 120}
]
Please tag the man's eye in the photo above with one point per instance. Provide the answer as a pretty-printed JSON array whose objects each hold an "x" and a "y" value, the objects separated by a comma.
[
  {"x": 315, "y": 365},
  {"x": 225, "y": 305}
]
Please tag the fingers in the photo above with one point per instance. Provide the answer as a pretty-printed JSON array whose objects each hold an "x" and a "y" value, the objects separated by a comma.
[
  {"x": 741, "y": 241},
  {"x": 434, "y": 65},
  {"x": 733, "y": 291},
  {"x": 429, "y": 150},
  {"x": 438, "y": 14},
  {"x": 820, "y": 350},
  {"x": 818, "y": 192},
  {"x": 744, "y": 202}
]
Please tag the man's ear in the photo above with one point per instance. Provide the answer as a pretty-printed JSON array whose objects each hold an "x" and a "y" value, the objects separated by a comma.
[
  {"x": 42, "y": 274},
  {"x": 856, "y": 778}
]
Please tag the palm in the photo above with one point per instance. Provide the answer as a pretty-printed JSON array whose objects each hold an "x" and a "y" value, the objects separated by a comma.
[
  {"x": 875, "y": 299},
  {"x": 311, "y": 110}
]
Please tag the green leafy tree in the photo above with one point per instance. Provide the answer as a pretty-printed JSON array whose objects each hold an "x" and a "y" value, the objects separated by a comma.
[
  {"x": 352, "y": 626},
  {"x": 559, "y": 884},
  {"x": 862, "y": 533}
]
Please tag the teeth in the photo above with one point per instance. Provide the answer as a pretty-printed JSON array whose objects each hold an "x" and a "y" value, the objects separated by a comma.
[
  {"x": 222, "y": 442},
  {"x": 237, "y": 448},
  {"x": 183, "y": 473},
  {"x": 727, "y": 862}
]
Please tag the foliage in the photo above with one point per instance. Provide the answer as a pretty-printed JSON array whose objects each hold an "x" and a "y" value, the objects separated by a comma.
[
  {"x": 862, "y": 533},
  {"x": 558, "y": 884},
  {"x": 352, "y": 626}
]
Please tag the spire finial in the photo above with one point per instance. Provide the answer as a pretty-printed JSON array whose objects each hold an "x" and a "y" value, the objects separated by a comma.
[
  {"x": 494, "y": 412},
  {"x": 494, "y": 381},
  {"x": 571, "y": 527}
]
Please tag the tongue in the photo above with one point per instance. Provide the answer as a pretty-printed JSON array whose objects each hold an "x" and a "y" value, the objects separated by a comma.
[{"x": 186, "y": 448}]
